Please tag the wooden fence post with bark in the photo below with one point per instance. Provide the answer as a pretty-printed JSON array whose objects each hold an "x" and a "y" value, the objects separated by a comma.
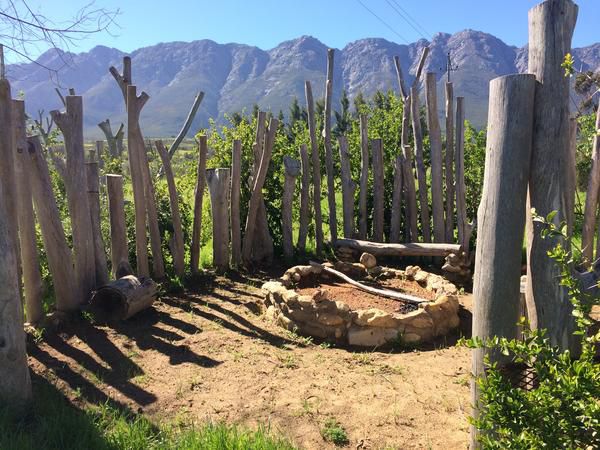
[
  {"x": 435, "y": 140},
  {"x": 71, "y": 126},
  {"x": 328, "y": 152},
  {"x": 420, "y": 164},
  {"x": 291, "y": 168},
  {"x": 119, "y": 252},
  {"x": 304, "y": 199},
  {"x": 177, "y": 246},
  {"x": 316, "y": 167},
  {"x": 235, "y": 221},
  {"x": 364, "y": 177},
  {"x": 218, "y": 187},
  {"x": 115, "y": 142},
  {"x": 551, "y": 26},
  {"x": 378, "y": 190},
  {"x": 93, "y": 190},
  {"x": 449, "y": 158},
  {"x": 348, "y": 188},
  {"x": 30, "y": 263},
  {"x": 198, "y": 197},
  {"x": 591, "y": 200},
  {"x": 502, "y": 219},
  {"x": 463, "y": 226}
]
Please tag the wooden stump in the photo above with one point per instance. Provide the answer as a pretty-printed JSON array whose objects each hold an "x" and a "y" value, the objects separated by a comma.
[
  {"x": 119, "y": 252},
  {"x": 328, "y": 152},
  {"x": 449, "y": 159},
  {"x": 93, "y": 190},
  {"x": 421, "y": 171},
  {"x": 435, "y": 140},
  {"x": 304, "y": 199},
  {"x": 364, "y": 177},
  {"x": 348, "y": 188},
  {"x": 291, "y": 170},
  {"x": 378, "y": 190},
  {"x": 236, "y": 227},
  {"x": 316, "y": 166},
  {"x": 198, "y": 197},
  {"x": 123, "y": 298},
  {"x": 218, "y": 187}
]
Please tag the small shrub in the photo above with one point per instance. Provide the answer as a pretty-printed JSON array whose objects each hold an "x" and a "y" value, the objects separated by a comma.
[{"x": 335, "y": 433}]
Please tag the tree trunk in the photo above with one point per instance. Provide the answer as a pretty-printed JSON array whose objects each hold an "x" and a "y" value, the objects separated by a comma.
[
  {"x": 60, "y": 258},
  {"x": 364, "y": 177},
  {"x": 119, "y": 252},
  {"x": 198, "y": 197},
  {"x": 71, "y": 126},
  {"x": 501, "y": 218},
  {"x": 449, "y": 160},
  {"x": 591, "y": 200},
  {"x": 464, "y": 228},
  {"x": 93, "y": 190},
  {"x": 236, "y": 227},
  {"x": 291, "y": 171},
  {"x": 551, "y": 27},
  {"x": 218, "y": 187},
  {"x": 304, "y": 199},
  {"x": 328, "y": 152},
  {"x": 30, "y": 263},
  {"x": 123, "y": 298},
  {"x": 378, "y": 190},
  {"x": 412, "y": 249},
  {"x": 435, "y": 140},
  {"x": 421, "y": 171},
  {"x": 316, "y": 166},
  {"x": 177, "y": 247},
  {"x": 348, "y": 188}
]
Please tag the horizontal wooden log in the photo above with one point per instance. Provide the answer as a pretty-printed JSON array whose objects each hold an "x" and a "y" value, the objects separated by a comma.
[
  {"x": 410, "y": 249},
  {"x": 123, "y": 298}
]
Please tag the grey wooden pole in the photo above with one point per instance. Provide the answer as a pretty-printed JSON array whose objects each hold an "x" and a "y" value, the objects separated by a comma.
[
  {"x": 461, "y": 206},
  {"x": 501, "y": 218},
  {"x": 235, "y": 222},
  {"x": 198, "y": 197},
  {"x": 218, "y": 187},
  {"x": 60, "y": 258},
  {"x": 32, "y": 278},
  {"x": 378, "y": 190},
  {"x": 551, "y": 25},
  {"x": 591, "y": 199},
  {"x": 71, "y": 126},
  {"x": 328, "y": 152},
  {"x": 304, "y": 199},
  {"x": 364, "y": 177},
  {"x": 100, "y": 154},
  {"x": 396, "y": 199},
  {"x": 119, "y": 252},
  {"x": 435, "y": 140},
  {"x": 177, "y": 246},
  {"x": 449, "y": 159},
  {"x": 348, "y": 187},
  {"x": 571, "y": 183},
  {"x": 316, "y": 167},
  {"x": 291, "y": 171},
  {"x": 93, "y": 190},
  {"x": 421, "y": 171}
]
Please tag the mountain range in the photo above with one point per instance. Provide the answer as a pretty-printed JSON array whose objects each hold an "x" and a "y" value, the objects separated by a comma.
[{"x": 236, "y": 76}]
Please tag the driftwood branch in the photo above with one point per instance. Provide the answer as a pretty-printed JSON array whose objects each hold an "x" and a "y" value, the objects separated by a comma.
[{"x": 411, "y": 249}]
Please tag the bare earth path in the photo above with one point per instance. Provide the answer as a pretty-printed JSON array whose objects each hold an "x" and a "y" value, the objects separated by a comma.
[{"x": 211, "y": 355}]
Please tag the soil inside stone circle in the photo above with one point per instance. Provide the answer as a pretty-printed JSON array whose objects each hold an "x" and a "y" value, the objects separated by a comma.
[{"x": 358, "y": 299}]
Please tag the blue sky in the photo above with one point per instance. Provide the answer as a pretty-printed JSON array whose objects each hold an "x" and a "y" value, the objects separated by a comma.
[{"x": 334, "y": 22}]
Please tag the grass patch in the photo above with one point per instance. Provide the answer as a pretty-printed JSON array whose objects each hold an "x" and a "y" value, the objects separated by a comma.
[{"x": 335, "y": 433}]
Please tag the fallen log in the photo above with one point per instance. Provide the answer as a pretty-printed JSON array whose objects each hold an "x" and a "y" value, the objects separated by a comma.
[
  {"x": 410, "y": 249},
  {"x": 123, "y": 298},
  {"x": 371, "y": 290}
]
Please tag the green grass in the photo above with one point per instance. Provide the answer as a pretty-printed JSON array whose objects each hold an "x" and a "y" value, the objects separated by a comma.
[
  {"x": 335, "y": 433},
  {"x": 54, "y": 424}
]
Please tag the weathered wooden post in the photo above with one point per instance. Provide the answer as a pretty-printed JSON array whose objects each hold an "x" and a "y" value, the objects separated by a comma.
[
  {"x": 235, "y": 221},
  {"x": 364, "y": 177},
  {"x": 591, "y": 200},
  {"x": 291, "y": 170},
  {"x": 551, "y": 25},
  {"x": 348, "y": 188},
  {"x": 316, "y": 166},
  {"x": 378, "y": 190},
  {"x": 571, "y": 184},
  {"x": 304, "y": 199},
  {"x": 177, "y": 246},
  {"x": 71, "y": 126},
  {"x": 218, "y": 187},
  {"x": 100, "y": 153},
  {"x": 93, "y": 190},
  {"x": 32, "y": 278},
  {"x": 119, "y": 252},
  {"x": 435, "y": 140},
  {"x": 115, "y": 142},
  {"x": 421, "y": 171},
  {"x": 501, "y": 218},
  {"x": 60, "y": 258},
  {"x": 464, "y": 228},
  {"x": 328, "y": 152},
  {"x": 449, "y": 158},
  {"x": 198, "y": 196}
]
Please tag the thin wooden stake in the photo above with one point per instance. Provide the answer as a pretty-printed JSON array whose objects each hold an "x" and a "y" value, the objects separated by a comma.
[
  {"x": 316, "y": 166},
  {"x": 304, "y": 199},
  {"x": 291, "y": 172},
  {"x": 364, "y": 177},
  {"x": 348, "y": 188},
  {"x": 236, "y": 227},
  {"x": 328, "y": 152},
  {"x": 119, "y": 253},
  {"x": 378, "y": 190},
  {"x": 435, "y": 140},
  {"x": 198, "y": 197}
]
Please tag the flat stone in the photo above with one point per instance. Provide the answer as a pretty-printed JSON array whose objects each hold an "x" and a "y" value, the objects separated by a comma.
[
  {"x": 421, "y": 277},
  {"x": 374, "y": 317},
  {"x": 417, "y": 319},
  {"x": 411, "y": 271},
  {"x": 353, "y": 270},
  {"x": 305, "y": 301},
  {"x": 368, "y": 260},
  {"x": 370, "y": 336},
  {"x": 330, "y": 319}
]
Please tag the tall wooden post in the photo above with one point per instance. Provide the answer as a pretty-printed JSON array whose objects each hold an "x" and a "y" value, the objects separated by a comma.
[
  {"x": 571, "y": 183},
  {"x": 399, "y": 167},
  {"x": 421, "y": 171},
  {"x": 328, "y": 152},
  {"x": 316, "y": 166},
  {"x": 236, "y": 227},
  {"x": 348, "y": 188},
  {"x": 435, "y": 140},
  {"x": 177, "y": 246},
  {"x": 501, "y": 218},
  {"x": 304, "y": 199},
  {"x": 364, "y": 177},
  {"x": 291, "y": 168},
  {"x": 591, "y": 199},
  {"x": 551, "y": 25},
  {"x": 71, "y": 126},
  {"x": 218, "y": 187},
  {"x": 93, "y": 190},
  {"x": 463, "y": 226},
  {"x": 198, "y": 196},
  {"x": 449, "y": 158},
  {"x": 32, "y": 278},
  {"x": 119, "y": 253},
  {"x": 378, "y": 190},
  {"x": 100, "y": 153}
]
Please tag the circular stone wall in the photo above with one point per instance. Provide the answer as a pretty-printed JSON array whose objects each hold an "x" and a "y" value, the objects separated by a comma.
[{"x": 319, "y": 316}]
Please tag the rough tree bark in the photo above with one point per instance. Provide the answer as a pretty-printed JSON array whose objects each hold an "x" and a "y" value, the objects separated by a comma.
[
  {"x": 123, "y": 298},
  {"x": 316, "y": 166},
  {"x": 93, "y": 190},
  {"x": 364, "y": 177},
  {"x": 198, "y": 197},
  {"x": 304, "y": 199},
  {"x": 551, "y": 25},
  {"x": 291, "y": 170},
  {"x": 348, "y": 188},
  {"x": 501, "y": 218},
  {"x": 235, "y": 221},
  {"x": 378, "y": 190},
  {"x": 328, "y": 152},
  {"x": 449, "y": 158},
  {"x": 119, "y": 252},
  {"x": 218, "y": 187}
]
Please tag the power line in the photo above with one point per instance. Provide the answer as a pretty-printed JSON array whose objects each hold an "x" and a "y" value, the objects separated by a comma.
[
  {"x": 417, "y": 24},
  {"x": 405, "y": 18},
  {"x": 383, "y": 22}
]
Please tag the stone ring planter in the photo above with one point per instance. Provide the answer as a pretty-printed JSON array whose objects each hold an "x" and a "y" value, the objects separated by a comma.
[{"x": 323, "y": 317}]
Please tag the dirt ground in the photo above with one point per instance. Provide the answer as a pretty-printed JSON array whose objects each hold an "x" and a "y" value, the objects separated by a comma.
[{"x": 209, "y": 354}]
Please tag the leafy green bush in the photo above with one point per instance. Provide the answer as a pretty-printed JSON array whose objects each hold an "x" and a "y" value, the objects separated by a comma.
[{"x": 335, "y": 433}]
